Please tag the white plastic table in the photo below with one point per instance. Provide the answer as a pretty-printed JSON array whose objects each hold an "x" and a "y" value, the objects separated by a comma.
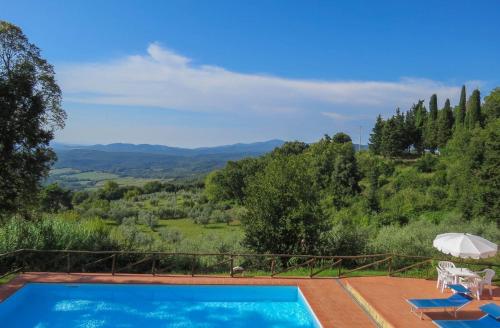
[{"x": 460, "y": 272}]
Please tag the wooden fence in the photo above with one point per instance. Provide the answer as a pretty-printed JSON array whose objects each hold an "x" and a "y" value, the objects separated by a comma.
[{"x": 224, "y": 264}]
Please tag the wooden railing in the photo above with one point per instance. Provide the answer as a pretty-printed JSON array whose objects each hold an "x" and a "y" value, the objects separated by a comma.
[{"x": 273, "y": 265}]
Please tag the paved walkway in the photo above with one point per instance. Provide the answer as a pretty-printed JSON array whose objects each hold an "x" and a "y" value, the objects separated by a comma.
[
  {"x": 387, "y": 296},
  {"x": 331, "y": 303}
]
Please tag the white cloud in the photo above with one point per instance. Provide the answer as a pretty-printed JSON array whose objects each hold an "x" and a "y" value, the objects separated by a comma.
[{"x": 165, "y": 79}]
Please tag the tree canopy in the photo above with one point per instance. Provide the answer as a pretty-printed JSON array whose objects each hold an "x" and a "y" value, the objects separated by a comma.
[{"x": 30, "y": 112}]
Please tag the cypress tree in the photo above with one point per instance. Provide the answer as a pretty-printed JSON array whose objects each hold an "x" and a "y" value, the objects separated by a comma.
[
  {"x": 473, "y": 114},
  {"x": 460, "y": 110},
  {"x": 376, "y": 136},
  {"x": 430, "y": 131},
  {"x": 420, "y": 120},
  {"x": 433, "y": 108},
  {"x": 410, "y": 129},
  {"x": 445, "y": 124}
]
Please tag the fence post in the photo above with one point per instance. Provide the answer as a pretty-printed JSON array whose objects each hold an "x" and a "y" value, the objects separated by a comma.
[
  {"x": 390, "y": 266},
  {"x": 311, "y": 267},
  {"x": 192, "y": 265},
  {"x": 273, "y": 265},
  {"x": 68, "y": 262},
  {"x": 153, "y": 267},
  {"x": 340, "y": 269},
  {"x": 232, "y": 266},
  {"x": 113, "y": 265}
]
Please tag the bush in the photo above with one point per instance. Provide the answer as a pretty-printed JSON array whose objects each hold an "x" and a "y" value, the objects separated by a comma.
[
  {"x": 148, "y": 218},
  {"x": 119, "y": 211},
  {"x": 220, "y": 216},
  {"x": 169, "y": 213},
  {"x": 171, "y": 236},
  {"x": 55, "y": 233},
  {"x": 427, "y": 163}
]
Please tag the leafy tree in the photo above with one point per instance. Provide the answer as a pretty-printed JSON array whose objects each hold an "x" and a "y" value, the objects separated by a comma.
[
  {"x": 473, "y": 114},
  {"x": 491, "y": 106},
  {"x": 54, "y": 199},
  {"x": 375, "y": 144},
  {"x": 152, "y": 187},
  {"x": 111, "y": 191},
  {"x": 290, "y": 148},
  {"x": 444, "y": 124},
  {"x": 489, "y": 173},
  {"x": 461, "y": 109},
  {"x": 283, "y": 214},
  {"x": 344, "y": 176},
  {"x": 393, "y": 138},
  {"x": 30, "y": 112},
  {"x": 230, "y": 182},
  {"x": 341, "y": 138}
]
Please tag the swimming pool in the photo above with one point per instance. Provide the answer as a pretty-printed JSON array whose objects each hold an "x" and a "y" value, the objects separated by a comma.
[{"x": 126, "y": 305}]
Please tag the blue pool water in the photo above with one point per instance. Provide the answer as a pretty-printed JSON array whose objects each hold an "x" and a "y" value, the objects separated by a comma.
[{"x": 98, "y": 305}]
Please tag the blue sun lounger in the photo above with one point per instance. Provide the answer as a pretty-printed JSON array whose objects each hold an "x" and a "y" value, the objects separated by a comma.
[
  {"x": 454, "y": 302},
  {"x": 490, "y": 320}
]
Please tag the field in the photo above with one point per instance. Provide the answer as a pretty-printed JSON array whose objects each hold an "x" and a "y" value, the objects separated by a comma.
[{"x": 90, "y": 180}]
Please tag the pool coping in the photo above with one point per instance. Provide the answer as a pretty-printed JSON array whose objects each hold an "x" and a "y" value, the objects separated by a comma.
[{"x": 329, "y": 303}]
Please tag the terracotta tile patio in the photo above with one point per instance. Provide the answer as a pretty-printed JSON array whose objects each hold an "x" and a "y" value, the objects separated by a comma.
[
  {"x": 387, "y": 296},
  {"x": 332, "y": 305},
  {"x": 384, "y": 297}
]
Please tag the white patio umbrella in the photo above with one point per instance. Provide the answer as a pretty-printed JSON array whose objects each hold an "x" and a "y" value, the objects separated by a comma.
[{"x": 465, "y": 245}]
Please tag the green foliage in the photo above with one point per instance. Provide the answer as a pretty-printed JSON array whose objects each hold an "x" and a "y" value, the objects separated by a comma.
[
  {"x": 53, "y": 232},
  {"x": 152, "y": 187},
  {"x": 283, "y": 211},
  {"x": 427, "y": 163},
  {"x": 444, "y": 126},
  {"x": 290, "y": 148},
  {"x": 473, "y": 114},
  {"x": 491, "y": 106},
  {"x": 393, "y": 141},
  {"x": 416, "y": 237},
  {"x": 54, "y": 199},
  {"x": 148, "y": 218},
  {"x": 375, "y": 143},
  {"x": 30, "y": 112},
  {"x": 229, "y": 183},
  {"x": 461, "y": 109},
  {"x": 341, "y": 138}
]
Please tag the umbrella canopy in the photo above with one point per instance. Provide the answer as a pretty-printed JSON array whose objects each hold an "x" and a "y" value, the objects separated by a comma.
[{"x": 465, "y": 245}]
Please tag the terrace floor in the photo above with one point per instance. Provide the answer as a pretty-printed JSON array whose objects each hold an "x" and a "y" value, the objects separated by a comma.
[
  {"x": 386, "y": 298},
  {"x": 383, "y": 297}
]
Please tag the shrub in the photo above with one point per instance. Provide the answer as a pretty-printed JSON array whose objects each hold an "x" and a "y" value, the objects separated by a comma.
[
  {"x": 427, "y": 163},
  {"x": 148, "y": 218},
  {"x": 171, "y": 236}
]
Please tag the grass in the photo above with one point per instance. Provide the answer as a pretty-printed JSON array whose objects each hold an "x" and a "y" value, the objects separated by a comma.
[
  {"x": 191, "y": 230},
  {"x": 92, "y": 176},
  {"x": 7, "y": 278}
]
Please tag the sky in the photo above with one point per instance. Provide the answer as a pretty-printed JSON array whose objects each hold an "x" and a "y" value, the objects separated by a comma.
[{"x": 203, "y": 73}]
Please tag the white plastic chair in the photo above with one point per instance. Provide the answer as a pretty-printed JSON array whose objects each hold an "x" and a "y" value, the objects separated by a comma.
[
  {"x": 486, "y": 279},
  {"x": 444, "y": 279},
  {"x": 443, "y": 265},
  {"x": 474, "y": 285}
]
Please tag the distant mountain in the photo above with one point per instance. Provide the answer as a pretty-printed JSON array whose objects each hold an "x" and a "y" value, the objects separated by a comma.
[
  {"x": 155, "y": 161},
  {"x": 255, "y": 148}
]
